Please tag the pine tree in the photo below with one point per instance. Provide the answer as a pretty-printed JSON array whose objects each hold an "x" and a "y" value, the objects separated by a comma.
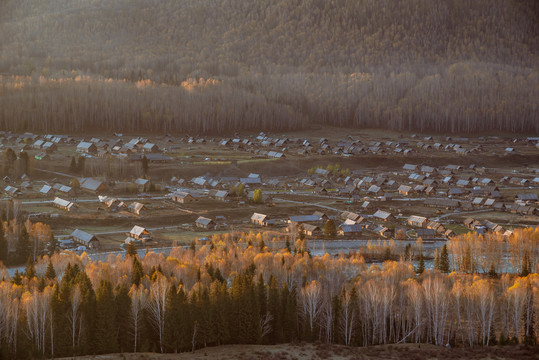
[
  {"x": 421, "y": 264},
  {"x": 23, "y": 246},
  {"x": 50, "y": 274},
  {"x": 17, "y": 278},
  {"x": 123, "y": 314},
  {"x": 81, "y": 164},
  {"x": 138, "y": 271},
  {"x": 467, "y": 261},
  {"x": 52, "y": 244},
  {"x": 525, "y": 271},
  {"x": 105, "y": 319},
  {"x": 444, "y": 260},
  {"x": 88, "y": 310},
  {"x": 30, "y": 271},
  {"x": 330, "y": 230},
  {"x": 3, "y": 244},
  {"x": 73, "y": 165},
  {"x": 75, "y": 184},
  {"x": 276, "y": 334},
  {"x": 131, "y": 249},
  {"x": 25, "y": 163},
  {"x": 173, "y": 320},
  {"x": 492, "y": 272},
  {"x": 144, "y": 164}
]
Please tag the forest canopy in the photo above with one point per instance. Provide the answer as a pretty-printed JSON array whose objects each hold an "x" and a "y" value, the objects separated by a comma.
[{"x": 218, "y": 65}]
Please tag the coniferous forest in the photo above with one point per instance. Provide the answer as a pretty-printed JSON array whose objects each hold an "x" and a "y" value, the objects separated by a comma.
[
  {"x": 209, "y": 66},
  {"x": 240, "y": 288}
]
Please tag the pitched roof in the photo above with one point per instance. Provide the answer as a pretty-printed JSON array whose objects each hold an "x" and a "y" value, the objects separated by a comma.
[
  {"x": 62, "y": 202},
  {"x": 203, "y": 220},
  {"x": 381, "y": 214},
  {"x": 82, "y": 236},
  {"x": 303, "y": 218},
  {"x": 259, "y": 217},
  {"x": 351, "y": 228},
  {"x": 138, "y": 230},
  {"x": 309, "y": 227}
]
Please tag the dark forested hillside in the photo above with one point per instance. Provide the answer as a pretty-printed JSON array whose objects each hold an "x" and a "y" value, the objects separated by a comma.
[{"x": 214, "y": 65}]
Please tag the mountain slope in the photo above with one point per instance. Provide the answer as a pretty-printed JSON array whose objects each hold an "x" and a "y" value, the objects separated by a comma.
[{"x": 453, "y": 65}]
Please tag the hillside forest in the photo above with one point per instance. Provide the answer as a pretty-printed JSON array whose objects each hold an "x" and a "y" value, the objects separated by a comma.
[
  {"x": 240, "y": 288},
  {"x": 213, "y": 66}
]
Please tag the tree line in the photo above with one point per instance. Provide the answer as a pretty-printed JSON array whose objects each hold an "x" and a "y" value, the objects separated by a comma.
[{"x": 235, "y": 289}]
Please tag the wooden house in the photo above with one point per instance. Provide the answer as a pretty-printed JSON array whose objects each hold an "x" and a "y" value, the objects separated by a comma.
[
  {"x": 418, "y": 221},
  {"x": 383, "y": 215},
  {"x": 93, "y": 186},
  {"x": 137, "y": 208},
  {"x": 205, "y": 223},
  {"x": 312, "y": 230},
  {"x": 86, "y": 239},
  {"x": 183, "y": 197},
  {"x": 86, "y": 147},
  {"x": 64, "y": 204},
  {"x": 260, "y": 219},
  {"x": 139, "y": 233}
]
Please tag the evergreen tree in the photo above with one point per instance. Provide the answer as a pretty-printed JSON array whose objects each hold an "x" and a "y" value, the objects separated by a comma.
[
  {"x": 444, "y": 260},
  {"x": 88, "y": 310},
  {"x": 276, "y": 334},
  {"x": 330, "y": 230},
  {"x": 50, "y": 274},
  {"x": 467, "y": 261},
  {"x": 123, "y": 314},
  {"x": 131, "y": 249},
  {"x": 3, "y": 244},
  {"x": 25, "y": 162},
  {"x": 30, "y": 271},
  {"x": 17, "y": 278},
  {"x": 75, "y": 184},
  {"x": 421, "y": 264},
  {"x": 105, "y": 319},
  {"x": 73, "y": 165},
  {"x": 287, "y": 245},
  {"x": 81, "y": 164},
  {"x": 301, "y": 232},
  {"x": 53, "y": 243},
  {"x": 525, "y": 271},
  {"x": 144, "y": 164},
  {"x": 173, "y": 320},
  {"x": 138, "y": 272},
  {"x": 23, "y": 245},
  {"x": 492, "y": 272},
  {"x": 10, "y": 157}
]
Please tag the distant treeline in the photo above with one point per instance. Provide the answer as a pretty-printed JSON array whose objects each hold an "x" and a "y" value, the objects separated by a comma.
[
  {"x": 236, "y": 289},
  {"x": 213, "y": 66}
]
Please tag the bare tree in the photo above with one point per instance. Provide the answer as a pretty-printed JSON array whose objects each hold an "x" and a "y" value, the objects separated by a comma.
[
  {"x": 311, "y": 302},
  {"x": 156, "y": 305},
  {"x": 139, "y": 301}
]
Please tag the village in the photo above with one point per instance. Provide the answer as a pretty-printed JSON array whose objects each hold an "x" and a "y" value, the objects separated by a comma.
[{"x": 102, "y": 193}]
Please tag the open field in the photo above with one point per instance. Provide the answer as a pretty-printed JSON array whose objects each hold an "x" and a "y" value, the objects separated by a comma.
[{"x": 336, "y": 352}]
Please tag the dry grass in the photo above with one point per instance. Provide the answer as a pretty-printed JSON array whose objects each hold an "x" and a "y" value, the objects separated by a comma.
[{"x": 337, "y": 352}]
